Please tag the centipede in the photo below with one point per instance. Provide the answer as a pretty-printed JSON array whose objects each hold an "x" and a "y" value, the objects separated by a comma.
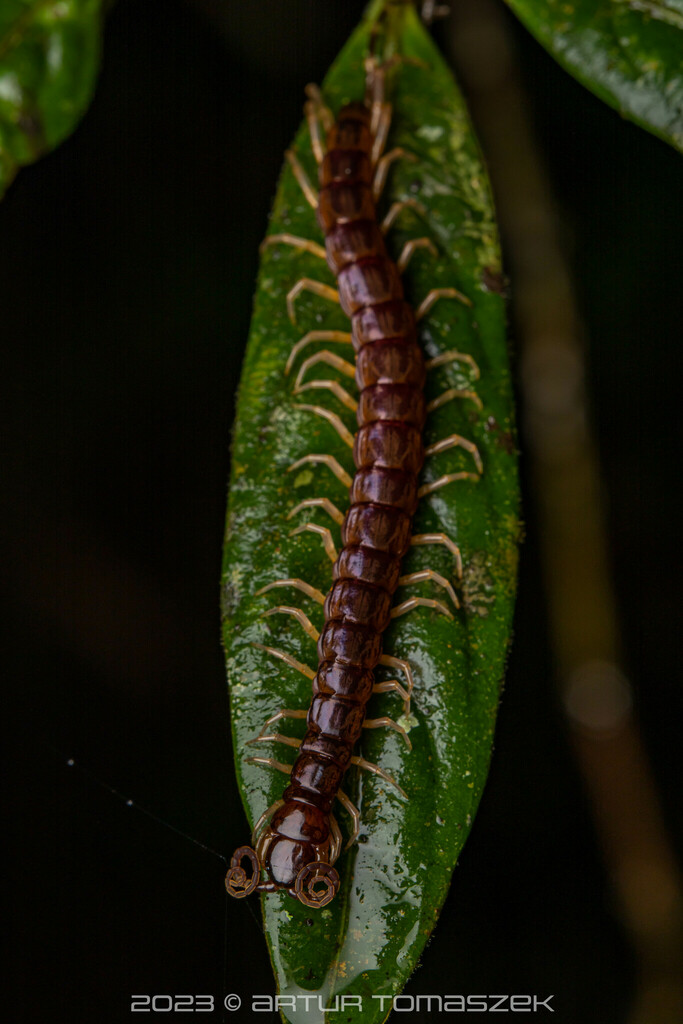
[{"x": 297, "y": 840}]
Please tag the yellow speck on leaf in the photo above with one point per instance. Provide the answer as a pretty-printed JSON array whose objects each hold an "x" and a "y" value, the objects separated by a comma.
[{"x": 303, "y": 479}]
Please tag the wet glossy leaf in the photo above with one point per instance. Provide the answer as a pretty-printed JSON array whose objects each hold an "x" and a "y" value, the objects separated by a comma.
[
  {"x": 49, "y": 53},
  {"x": 629, "y": 52},
  {"x": 393, "y": 882}
]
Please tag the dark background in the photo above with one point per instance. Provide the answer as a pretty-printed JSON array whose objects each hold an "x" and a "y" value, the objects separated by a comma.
[{"x": 127, "y": 264}]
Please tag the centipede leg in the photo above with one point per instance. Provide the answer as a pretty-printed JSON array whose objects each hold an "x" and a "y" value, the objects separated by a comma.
[
  {"x": 393, "y": 686},
  {"x": 388, "y": 723},
  {"x": 382, "y": 170},
  {"x": 266, "y": 816},
  {"x": 336, "y": 840},
  {"x": 270, "y": 762},
  {"x": 440, "y": 538},
  {"x": 324, "y": 113},
  {"x": 375, "y": 70},
  {"x": 297, "y": 243},
  {"x": 449, "y": 478},
  {"x": 428, "y": 574},
  {"x": 331, "y": 359},
  {"x": 301, "y": 585},
  {"x": 450, "y": 394},
  {"x": 411, "y": 247},
  {"x": 456, "y": 441},
  {"x": 453, "y": 357},
  {"x": 297, "y": 714},
  {"x": 299, "y": 173},
  {"x": 323, "y": 532},
  {"x": 343, "y": 337},
  {"x": 388, "y": 661},
  {"x": 306, "y": 284},
  {"x": 439, "y": 293},
  {"x": 332, "y": 419},
  {"x": 305, "y": 670},
  {"x": 262, "y": 844},
  {"x": 397, "y": 208},
  {"x": 420, "y": 602},
  {"x": 375, "y": 769},
  {"x": 382, "y": 131},
  {"x": 302, "y": 619},
  {"x": 317, "y": 141},
  {"x": 354, "y": 814},
  {"x": 374, "y": 91},
  {"x": 323, "y": 503},
  {"x": 326, "y": 460},
  {"x": 276, "y": 737},
  {"x": 329, "y": 385}
]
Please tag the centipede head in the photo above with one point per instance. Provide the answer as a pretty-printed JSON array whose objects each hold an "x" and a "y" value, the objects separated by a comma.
[
  {"x": 299, "y": 866},
  {"x": 315, "y": 885}
]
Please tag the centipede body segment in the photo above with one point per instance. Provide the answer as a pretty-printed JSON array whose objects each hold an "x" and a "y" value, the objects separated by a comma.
[{"x": 297, "y": 840}]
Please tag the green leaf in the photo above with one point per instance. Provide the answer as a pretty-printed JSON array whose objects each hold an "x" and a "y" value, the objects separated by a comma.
[
  {"x": 393, "y": 882},
  {"x": 49, "y": 54},
  {"x": 628, "y": 52}
]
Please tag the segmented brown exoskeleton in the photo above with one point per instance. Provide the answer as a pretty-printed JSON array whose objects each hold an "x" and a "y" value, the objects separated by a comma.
[{"x": 297, "y": 840}]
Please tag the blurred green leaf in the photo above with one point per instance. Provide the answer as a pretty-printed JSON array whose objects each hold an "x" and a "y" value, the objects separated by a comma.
[
  {"x": 629, "y": 52},
  {"x": 49, "y": 54},
  {"x": 394, "y": 881}
]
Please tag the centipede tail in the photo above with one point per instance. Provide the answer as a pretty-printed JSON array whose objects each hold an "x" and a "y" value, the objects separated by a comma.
[{"x": 299, "y": 843}]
